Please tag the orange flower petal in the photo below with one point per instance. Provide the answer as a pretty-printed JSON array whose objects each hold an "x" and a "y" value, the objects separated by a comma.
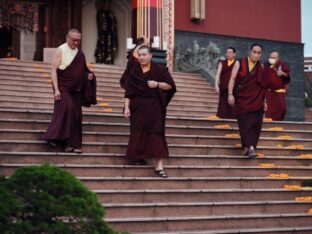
[
  {"x": 276, "y": 129},
  {"x": 260, "y": 155},
  {"x": 303, "y": 198},
  {"x": 222, "y": 126},
  {"x": 231, "y": 135},
  {"x": 266, "y": 165},
  {"x": 292, "y": 186},
  {"x": 282, "y": 175},
  {"x": 268, "y": 119},
  {"x": 284, "y": 137},
  {"x": 108, "y": 109}
]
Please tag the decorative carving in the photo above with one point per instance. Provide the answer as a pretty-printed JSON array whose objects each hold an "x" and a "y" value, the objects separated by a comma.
[{"x": 198, "y": 59}]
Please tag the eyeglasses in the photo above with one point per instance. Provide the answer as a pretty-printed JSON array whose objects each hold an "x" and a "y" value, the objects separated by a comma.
[{"x": 74, "y": 39}]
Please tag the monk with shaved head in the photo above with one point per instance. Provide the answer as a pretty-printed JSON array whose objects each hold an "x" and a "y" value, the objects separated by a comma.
[
  {"x": 74, "y": 85},
  {"x": 278, "y": 76}
]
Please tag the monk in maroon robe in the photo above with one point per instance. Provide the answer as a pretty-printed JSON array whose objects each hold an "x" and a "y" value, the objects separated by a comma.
[
  {"x": 149, "y": 88},
  {"x": 248, "y": 84},
  {"x": 278, "y": 76},
  {"x": 74, "y": 85},
  {"x": 222, "y": 79}
]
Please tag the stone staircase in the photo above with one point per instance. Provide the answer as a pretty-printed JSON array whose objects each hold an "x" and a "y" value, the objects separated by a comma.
[{"x": 211, "y": 188}]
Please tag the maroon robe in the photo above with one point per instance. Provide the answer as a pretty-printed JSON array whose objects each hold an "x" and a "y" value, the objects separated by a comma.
[
  {"x": 249, "y": 102},
  {"x": 148, "y": 110},
  {"x": 224, "y": 109},
  {"x": 276, "y": 101},
  {"x": 76, "y": 90}
]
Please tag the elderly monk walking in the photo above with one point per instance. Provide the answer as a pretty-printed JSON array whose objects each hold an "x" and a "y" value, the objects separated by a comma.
[
  {"x": 73, "y": 85},
  {"x": 278, "y": 76},
  {"x": 149, "y": 88},
  {"x": 250, "y": 87},
  {"x": 222, "y": 79}
]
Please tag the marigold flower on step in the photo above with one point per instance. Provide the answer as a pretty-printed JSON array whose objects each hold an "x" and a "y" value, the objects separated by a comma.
[
  {"x": 284, "y": 137},
  {"x": 309, "y": 211},
  {"x": 286, "y": 186},
  {"x": 238, "y": 145},
  {"x": 103, "y": 104},
  {"x": 305, "y": 155},
  {"x": 266, "y": 165},
  {"x": 231, "y": 135},
  {"x": 222, "y": 126},
  {"x": 268, "y": 119},
  {"x": 13, "y": 59},
  {"x": 279, "y": 146},
  {"x": 212, "y": 117},
  {"x": 99, "y": 98},
  {"x": 90, "y": 65},
  {"x": 303, "y": 198},
  {"x": 282, "y": 175},
  {"x": 260, "y": 154},
  {"x": 295, "y": 147},
  {"x": 108, "y": 109},
  {"x": 276, "y": 129}
]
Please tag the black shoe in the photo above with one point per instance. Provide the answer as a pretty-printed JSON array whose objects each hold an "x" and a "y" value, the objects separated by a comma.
[
  {"x": 139, "y": 162},
  {"x": 161, "y": 173},
  {"x": 52, "y": 144}
]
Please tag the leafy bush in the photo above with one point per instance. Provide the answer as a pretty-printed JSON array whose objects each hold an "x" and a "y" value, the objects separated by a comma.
[{"x": 46, "y": 199}]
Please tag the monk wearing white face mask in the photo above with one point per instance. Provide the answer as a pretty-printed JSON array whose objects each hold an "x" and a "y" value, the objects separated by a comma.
[{"x": 278, "y": 78}]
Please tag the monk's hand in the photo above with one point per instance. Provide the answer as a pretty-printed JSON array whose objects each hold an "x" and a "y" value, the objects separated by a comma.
[
  {"x": 217, "y": 89},
  {"x": 231, "y": 100},
  {"x": 90, "y": 76},
  {"x": 127, "y": 113},
  {"x": 265, "y": 106},
  {"x": 57, "y": 95},
  {"x": 153, "y": 84}
]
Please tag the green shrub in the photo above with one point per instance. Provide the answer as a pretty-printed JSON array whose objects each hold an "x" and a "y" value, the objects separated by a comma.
[
  {"x": 308, "y": 102},
  {"x": 46, "y": 199}
]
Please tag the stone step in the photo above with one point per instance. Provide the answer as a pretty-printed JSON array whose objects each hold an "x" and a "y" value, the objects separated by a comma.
[
  {"x": 98, "y": 170},
  {"x": 135, "y": 183},
  {"x": 12, "y": 113},
  {"x": 35, "y": 124},
  {"x": 171, "y": 109},
  {"x": 31, "y": 96},
  {"x": 119, "y": 148},
  {"x": 277, "y": 230},
  {"x": 213, "y": 100},
  {"x": 102, "y": 91},
  {"x": 211, "y": 222},
  {"x": 205, "y": 208},
  {"x": 198, "y": 195},
  {"x": 120, "y": 137},
  {"x": 49, "y": 102},
  {"x": 102, "y": 80},
  {"x": 12, "y": 157}
]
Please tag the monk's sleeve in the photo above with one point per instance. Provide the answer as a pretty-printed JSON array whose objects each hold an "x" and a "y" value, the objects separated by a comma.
[
  {"x": 167, "y": 78},
  {"x": 286, "y": 80},
  {"x": 88, "y": 92}
]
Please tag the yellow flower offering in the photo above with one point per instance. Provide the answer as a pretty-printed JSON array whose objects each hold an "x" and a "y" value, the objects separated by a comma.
[
  {"x": 108, "y": 109},
  {"x": 292, "y": 186},
  {"x": 222, "y": 126},
  {"x": 267, "y": 119},
  {"x": 212, "y": 117},
  {"x": 103, "y": 104},
  {"x": 276, "y": 129},
  {"x": 284, "y": 137},
  {"x": 295, "y": 147},
  {"x": 260, "y": 155},
  {"x": 231, "y": 135},
  {"x": 305, "y": 155},
  {"x": 309, "y": 211},
  {"x": 282, "y": 175},
  {"x": 266, "y": 165},
  {"x": 303, "y": 198}
]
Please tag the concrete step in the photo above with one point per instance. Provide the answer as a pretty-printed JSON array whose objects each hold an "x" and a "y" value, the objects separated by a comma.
[
  {"x": 120, "y": 159},
  {"x": 102, "y": 80},
  {"x": 198, "y": 195},
  {"x": 49, "y": 102},
  {"x": 13, "y": 113},
  {"x": 35, "y": 124},
  {"x": 12, "y": 157},
  {"x": 211, "y": 222},
  {"x": 102, "y": 92},
  {"x": 103, "y": 170},
  {"x": 119, "y": 148},
  {"x": 277, "y": 230},
  {"x": 123, "y": 137},
  {"x": 205, "y": 208}
]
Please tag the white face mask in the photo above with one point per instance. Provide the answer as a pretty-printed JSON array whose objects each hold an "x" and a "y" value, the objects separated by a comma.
[{"x": 272, "y": 61}]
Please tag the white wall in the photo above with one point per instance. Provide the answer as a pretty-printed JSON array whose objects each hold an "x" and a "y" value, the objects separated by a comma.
[{"x": 122, "y": 11}]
